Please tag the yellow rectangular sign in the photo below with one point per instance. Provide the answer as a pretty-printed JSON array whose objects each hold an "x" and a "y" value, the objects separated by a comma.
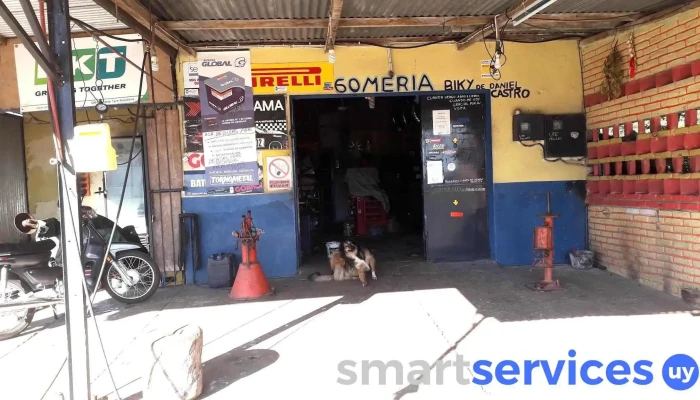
[{"x": 295, "y": 78}]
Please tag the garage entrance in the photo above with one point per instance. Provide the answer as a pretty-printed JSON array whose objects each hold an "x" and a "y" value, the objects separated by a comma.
[{"x": 405, "y": 175}]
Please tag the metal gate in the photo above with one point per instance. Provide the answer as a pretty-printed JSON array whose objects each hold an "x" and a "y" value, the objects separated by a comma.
[{"x": 13, "y": 178}]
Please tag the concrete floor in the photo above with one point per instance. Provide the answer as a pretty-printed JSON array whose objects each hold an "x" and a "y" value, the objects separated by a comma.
[{"x": 290, "y": 344}]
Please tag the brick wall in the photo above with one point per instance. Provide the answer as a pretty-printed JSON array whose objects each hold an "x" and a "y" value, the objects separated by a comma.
[
  {"x": 662, "y": 48},
  {"x": 658, "y": 248},
  {"x": 644, "y": 223}
]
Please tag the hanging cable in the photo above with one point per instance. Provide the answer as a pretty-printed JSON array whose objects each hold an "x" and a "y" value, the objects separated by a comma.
[
  {"x": 146, "y": 56},
  {"x": 103, "y": 33}
]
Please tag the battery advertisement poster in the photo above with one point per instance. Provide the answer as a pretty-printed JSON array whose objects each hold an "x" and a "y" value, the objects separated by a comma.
[{"x": 227, "y": 121}]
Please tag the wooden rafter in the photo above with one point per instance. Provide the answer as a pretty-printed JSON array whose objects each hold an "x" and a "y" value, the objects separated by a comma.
[
  {"x": 567, "y": 20},
  {"x": 394, "y": 41},
  {"x": 649, "y": 18},
  {"x": 138, "y": 18},
  {"x": 336, "y": 8}
]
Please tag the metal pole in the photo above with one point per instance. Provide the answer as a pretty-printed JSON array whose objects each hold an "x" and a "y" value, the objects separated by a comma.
[{"x": 76, "y": 324}]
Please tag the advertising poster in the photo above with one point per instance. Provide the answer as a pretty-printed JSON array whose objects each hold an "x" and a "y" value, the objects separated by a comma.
[
  {"x": 191, "y": 84},
  {"x": 193, "y": 125},
  {"x": 225, "y": 90},
  {"x": 293, "y": 78},
  {"x": 227, "y": 118},
  {"x": 195, "y": 183},
  {"x": 271, "y": 122},
  {"x": 454, "y": 127},
  {"x": 98, "y": 74}
]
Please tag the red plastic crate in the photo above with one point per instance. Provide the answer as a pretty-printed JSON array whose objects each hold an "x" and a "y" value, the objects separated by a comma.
[
  {"x": 629, "y": 148},
  {"x": 592, "y": 151},
  {"x": 672, "y": 185},
  {"x": 368, "y": 212},
  {"x": 615, "y": 147},
  {"x": 641, "y": 185},
  {"x": 690, "y": 184},
  {"x": 656, "y": 186},
  {"x": 694, "y": 160},
  {"x": 616, "y": 185},
  {"x": 592, "y": 185}
]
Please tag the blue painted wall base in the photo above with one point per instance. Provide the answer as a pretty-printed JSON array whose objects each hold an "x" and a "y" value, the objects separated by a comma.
[
  {"x": 516, "y": 206},
  {"x": 219, "y": 216}
]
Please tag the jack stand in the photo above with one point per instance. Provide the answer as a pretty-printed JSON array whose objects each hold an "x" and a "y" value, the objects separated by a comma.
[
  {"x": 250, "y": 282},
  {"x": 544, "y": 252}
]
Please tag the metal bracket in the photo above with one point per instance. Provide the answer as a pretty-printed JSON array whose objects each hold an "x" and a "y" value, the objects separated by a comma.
[{"x": 44, "y": 57}]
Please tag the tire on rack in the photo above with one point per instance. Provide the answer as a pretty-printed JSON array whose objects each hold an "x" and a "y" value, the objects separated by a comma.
[
  {"x": 141, "y": 263},
  {"x": 23, "y": 320}
]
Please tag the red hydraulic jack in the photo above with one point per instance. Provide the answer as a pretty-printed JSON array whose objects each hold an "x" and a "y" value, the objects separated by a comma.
[
  {"x": 250, "y": 280},
  {"x": 544, "y": 252}
]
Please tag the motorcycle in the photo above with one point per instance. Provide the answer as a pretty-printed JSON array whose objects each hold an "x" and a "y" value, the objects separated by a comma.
[{"x": 31, "y": 274}]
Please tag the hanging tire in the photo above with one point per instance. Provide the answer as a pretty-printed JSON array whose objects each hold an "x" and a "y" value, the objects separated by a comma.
[
  {"x": 141, "y": 270},
  {"x": 12, "y": 323}
]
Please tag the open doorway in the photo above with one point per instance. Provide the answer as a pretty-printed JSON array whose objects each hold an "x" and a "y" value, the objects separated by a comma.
[
  {"x": 105, "y": 188},
  {"x": 359, "y": 167}
]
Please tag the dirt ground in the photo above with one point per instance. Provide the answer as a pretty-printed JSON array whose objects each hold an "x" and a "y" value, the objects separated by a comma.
[{"x": 290, "y": 344}]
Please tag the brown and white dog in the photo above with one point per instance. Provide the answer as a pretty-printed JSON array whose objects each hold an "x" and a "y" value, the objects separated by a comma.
[{"x": 351, "y": 261}]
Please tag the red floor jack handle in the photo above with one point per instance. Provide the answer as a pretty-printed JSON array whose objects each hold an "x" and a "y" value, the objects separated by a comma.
[
  {"x": 544, "y": 252},
  {"x": 250, "y": 282}
]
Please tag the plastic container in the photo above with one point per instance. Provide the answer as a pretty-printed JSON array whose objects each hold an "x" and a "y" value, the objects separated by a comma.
[
  {"x": 220, "y": 270},
  {"x": 332, "y": 247},
  {"x": 582, "y": 259}
]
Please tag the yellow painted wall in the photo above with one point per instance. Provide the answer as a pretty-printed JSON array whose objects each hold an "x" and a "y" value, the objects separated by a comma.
[
  {"x": 42, "y": 183},
  {"x": 550, "y": 71}
]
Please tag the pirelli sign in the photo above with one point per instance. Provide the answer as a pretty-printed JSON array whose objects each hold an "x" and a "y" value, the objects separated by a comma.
[{"x": 292, "y": 78}]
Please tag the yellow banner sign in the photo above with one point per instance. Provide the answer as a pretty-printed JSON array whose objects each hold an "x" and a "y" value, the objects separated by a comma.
[{"x": 292, "y": 78}]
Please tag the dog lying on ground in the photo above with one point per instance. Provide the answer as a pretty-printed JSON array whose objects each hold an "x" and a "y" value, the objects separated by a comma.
[{"x": 351, "y": 261}]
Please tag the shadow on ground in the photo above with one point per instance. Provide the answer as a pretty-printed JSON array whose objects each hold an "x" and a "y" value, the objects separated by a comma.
[{"x": 495, "y": 292}]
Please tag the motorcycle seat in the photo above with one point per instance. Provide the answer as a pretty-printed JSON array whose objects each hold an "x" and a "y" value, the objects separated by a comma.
[{"x": 18, "y": 249}]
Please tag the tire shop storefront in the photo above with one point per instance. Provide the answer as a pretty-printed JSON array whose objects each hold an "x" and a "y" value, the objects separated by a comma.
[{"x": 485, "y": 213}]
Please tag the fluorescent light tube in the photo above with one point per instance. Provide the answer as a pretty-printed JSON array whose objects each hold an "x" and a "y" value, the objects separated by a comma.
[{"x": 533, "y": 9}]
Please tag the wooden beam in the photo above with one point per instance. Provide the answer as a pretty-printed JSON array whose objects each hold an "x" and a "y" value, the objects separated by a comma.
[
  {"x": 336, "y": 7},
  {"x": 142, "y": 16},
  {"x": 576, "y": 20},
  {"x": 539, "y": 37},
  {"x": 501, "y": 20},
  {"x": 169, "y": 47},
  {"x": 649, "y": 18},
  {"x": 588, "y": 17},
  {"x": 321, "y": 42}
]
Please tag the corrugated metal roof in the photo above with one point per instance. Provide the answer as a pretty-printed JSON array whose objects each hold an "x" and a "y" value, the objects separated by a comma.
[
  {"x": 378, "y": 33},
  {"x": 177, "y": 10},
  {"x": 422, "y": 8},
  {"x": 272, "y": 35},
  {"x": 574, "y": 6},
  {"x": 84, "y": 10},
  {"x": 238, "y": 9}
]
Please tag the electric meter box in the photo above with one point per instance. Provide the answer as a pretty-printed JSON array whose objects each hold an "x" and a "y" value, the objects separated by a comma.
[
  {"x": 565, "y": 136},
  {"x": 91, "y": 148},
  {"x": 528, "y": 127}
]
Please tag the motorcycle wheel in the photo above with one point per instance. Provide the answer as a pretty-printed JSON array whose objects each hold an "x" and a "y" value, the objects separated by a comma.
[
  {"x": 12, "y": 323},
  {"x": 141, "y": 268}
]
